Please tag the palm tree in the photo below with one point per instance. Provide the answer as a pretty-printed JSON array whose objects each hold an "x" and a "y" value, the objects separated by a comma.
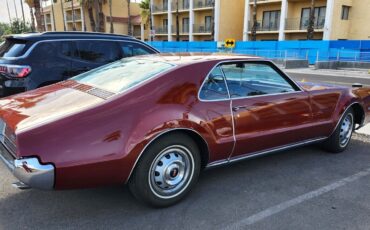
[
  {"x": 110, "y": 16},
  {"x": 36, "y": 12},
  {"x": 73, "y": 16},
  {"x": 23, "y": 18},
  {"x": 32, "y": 20},
  {"x": 311, "y": 22},
  {"x": 177, "y": 21},
  {"x": 254, "y": 27},
  {"x": 146, "y": 14},
  {"x": 129, "y": 17}
]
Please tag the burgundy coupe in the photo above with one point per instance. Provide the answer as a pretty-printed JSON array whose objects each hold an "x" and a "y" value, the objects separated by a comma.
[{"x": 154, "y": 122}]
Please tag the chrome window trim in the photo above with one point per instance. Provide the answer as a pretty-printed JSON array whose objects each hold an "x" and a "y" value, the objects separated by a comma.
[
  {"x": 263, "y": 152},
  {"x": 256, "y": 96},
  {"x": 155, "y": 138},
  {"x": 28, "y": 52}
]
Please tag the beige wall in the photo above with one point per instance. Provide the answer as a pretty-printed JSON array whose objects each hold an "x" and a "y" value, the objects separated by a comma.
[
  {"x": 359, "y": 16},
  {"x": 231, "y": 20}
]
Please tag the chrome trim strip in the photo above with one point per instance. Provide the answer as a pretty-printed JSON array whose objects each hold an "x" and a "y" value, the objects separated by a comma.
[
  {"x": 249, "y": 60},
  {"x": 156, "y": 137},
  {"x": 30, "y": 49},
  {"x": 341, "y": 117},
  {"x": 264, "y": 152}
]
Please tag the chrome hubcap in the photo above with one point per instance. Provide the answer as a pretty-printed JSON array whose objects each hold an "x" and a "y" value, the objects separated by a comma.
[
  {"x": 171, "y": 171},
  {"x": 346, "y": 130}
]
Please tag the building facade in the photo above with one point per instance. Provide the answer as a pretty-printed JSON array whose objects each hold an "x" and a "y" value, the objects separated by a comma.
[
  {"x": 199, "y": 20},
  {"x": 68, "y": 15},
  {"x": 289, "y": 19}
]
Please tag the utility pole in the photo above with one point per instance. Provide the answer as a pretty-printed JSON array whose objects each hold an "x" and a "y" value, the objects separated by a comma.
[{"x": 254, "y": 27}]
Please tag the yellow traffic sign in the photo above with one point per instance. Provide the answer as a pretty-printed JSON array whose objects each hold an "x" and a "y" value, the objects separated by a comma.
[{"x": 229, "y": 43}]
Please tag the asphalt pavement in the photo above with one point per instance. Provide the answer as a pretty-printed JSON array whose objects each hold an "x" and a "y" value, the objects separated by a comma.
[{"x": 304, "y": 188}]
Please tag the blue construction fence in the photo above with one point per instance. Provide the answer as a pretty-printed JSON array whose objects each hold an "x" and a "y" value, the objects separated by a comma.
[{"x": 349, "y": 50}]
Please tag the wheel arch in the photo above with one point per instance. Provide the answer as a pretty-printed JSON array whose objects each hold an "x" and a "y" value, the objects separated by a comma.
[
  {"x": 359, "y": 113},
  {"x": 193, "y": 134}
]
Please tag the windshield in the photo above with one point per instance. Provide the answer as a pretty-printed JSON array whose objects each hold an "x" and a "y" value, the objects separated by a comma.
[
  {"x": 12, "y": 48},
  {"x": 123, "y": 74}
]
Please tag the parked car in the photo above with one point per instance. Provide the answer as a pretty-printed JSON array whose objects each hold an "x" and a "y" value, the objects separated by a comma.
[
  {"x": 155, "y": 121},
  {"x": 30, "y": 61}
]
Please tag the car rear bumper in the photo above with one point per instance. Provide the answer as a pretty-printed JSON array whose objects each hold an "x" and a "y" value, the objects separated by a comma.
[{"x": 29, "y": 170}]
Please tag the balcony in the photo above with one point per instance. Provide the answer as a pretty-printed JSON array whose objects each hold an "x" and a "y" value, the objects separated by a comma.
[
  {"x": 183, "y": 5},
  {"x": 160, "y": 9},
  {"x": 199, "y": 4},
  {"x": 161, "y": 30},
  {"x": 265, "y": 25},
  {"x": 264, "y": 1},
  {"x": 69, "y": 17},
  {"x": 302, "y": 23},
  {"x": 202, "y": 29}
]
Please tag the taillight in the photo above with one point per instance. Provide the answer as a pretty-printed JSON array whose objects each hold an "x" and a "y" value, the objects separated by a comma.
[{"x": 16, "y": 71}]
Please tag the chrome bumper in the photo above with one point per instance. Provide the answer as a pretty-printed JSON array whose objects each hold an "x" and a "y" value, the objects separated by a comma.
[{"x": 29, "y": 170}]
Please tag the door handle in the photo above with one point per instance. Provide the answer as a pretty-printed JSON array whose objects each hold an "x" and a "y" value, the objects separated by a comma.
[{"x": 237, "y": 108}]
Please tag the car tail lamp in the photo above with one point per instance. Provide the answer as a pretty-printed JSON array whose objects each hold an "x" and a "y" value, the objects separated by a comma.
[{"x": 15, "y": 71}]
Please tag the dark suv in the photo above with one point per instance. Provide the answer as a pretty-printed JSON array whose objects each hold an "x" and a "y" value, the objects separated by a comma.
[{"x": 31, "y": 61}]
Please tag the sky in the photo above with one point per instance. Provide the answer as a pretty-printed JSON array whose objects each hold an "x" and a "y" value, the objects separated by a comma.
[{"x": 4, "y": 17}]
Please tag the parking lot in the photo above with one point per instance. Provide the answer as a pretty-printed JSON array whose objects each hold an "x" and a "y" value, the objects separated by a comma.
[{"x": 305, "y": 188}]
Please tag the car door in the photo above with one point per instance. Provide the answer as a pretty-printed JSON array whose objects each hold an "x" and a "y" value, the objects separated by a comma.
[
  {"x": 269, "y": 110},
  {"x": 91, "y": 54},
  {"x": 216, "y": 113}
]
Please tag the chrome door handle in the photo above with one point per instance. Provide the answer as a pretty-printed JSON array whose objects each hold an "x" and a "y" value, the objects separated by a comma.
[{"x": 237, "y": 108}]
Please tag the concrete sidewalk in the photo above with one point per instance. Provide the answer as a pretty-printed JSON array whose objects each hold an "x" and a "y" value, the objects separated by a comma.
[
  {"x": 353, "y": 73},
  {"x": 365, "y": 130}
]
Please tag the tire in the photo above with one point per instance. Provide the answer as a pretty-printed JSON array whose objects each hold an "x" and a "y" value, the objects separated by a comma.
[
  {"x": 167, "y": 171},
  {"x": 341, "y": 137}
]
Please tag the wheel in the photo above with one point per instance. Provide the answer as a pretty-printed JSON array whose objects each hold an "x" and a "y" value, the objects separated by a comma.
[
  {"x": 341, "y": 137},
  {"x": 167, "y": 171}
]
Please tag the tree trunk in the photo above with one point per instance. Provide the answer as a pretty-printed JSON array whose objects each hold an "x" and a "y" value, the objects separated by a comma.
[
  {"x": 101, "y": 17},
  {"x": 91, "y": 17},
  {"x": 177, "y": 21},
  {"x": 73, "y": 16},
  {"x": 129, "y": 32},
  {"x": 213, "y": 21},
  {"x": 311, "y": 22},
  {"x": 52, "y": 11},
  {"x": 110, "y": 15},
  {"x": 32, "y": 20},
  {"x": 254, "y": 27},
  {"x": 23, "y": 18},
  {"x": 96, "y": 7},
  {"x": 37, "y": 7},
  {"x": 150, "y": 21}
]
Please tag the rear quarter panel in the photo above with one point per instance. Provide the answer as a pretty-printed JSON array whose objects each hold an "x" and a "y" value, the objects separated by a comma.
[{"x": 100, "y": 146}]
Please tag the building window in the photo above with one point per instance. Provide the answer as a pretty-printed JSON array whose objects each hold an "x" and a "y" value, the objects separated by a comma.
[
  {"x": 319, "y": 21},
  {"x": 270, "y": 20},
  {"x": 185, "y": 25},
  {"x": 208, "y": 23},
  {"x": 345, "y": 12}
]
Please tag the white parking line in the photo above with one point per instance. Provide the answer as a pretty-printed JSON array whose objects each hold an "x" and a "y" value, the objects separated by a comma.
[{"x": 298, "y": 200}]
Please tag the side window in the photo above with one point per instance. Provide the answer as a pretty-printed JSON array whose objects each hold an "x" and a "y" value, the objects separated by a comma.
[
  {"x": 68, "y": 49},
  {"x": 98, "y": 51},
  {"x": 214, "y": 87},
  {"x": 133, "y": 49},
  {"x": 252, "y": 79},
  {"x": 45, "y": 51}
]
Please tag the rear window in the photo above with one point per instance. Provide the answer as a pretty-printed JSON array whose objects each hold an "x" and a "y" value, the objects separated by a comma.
[
  {"x": 122, "y": 75},
  {"x": 12, "y": 48}
]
